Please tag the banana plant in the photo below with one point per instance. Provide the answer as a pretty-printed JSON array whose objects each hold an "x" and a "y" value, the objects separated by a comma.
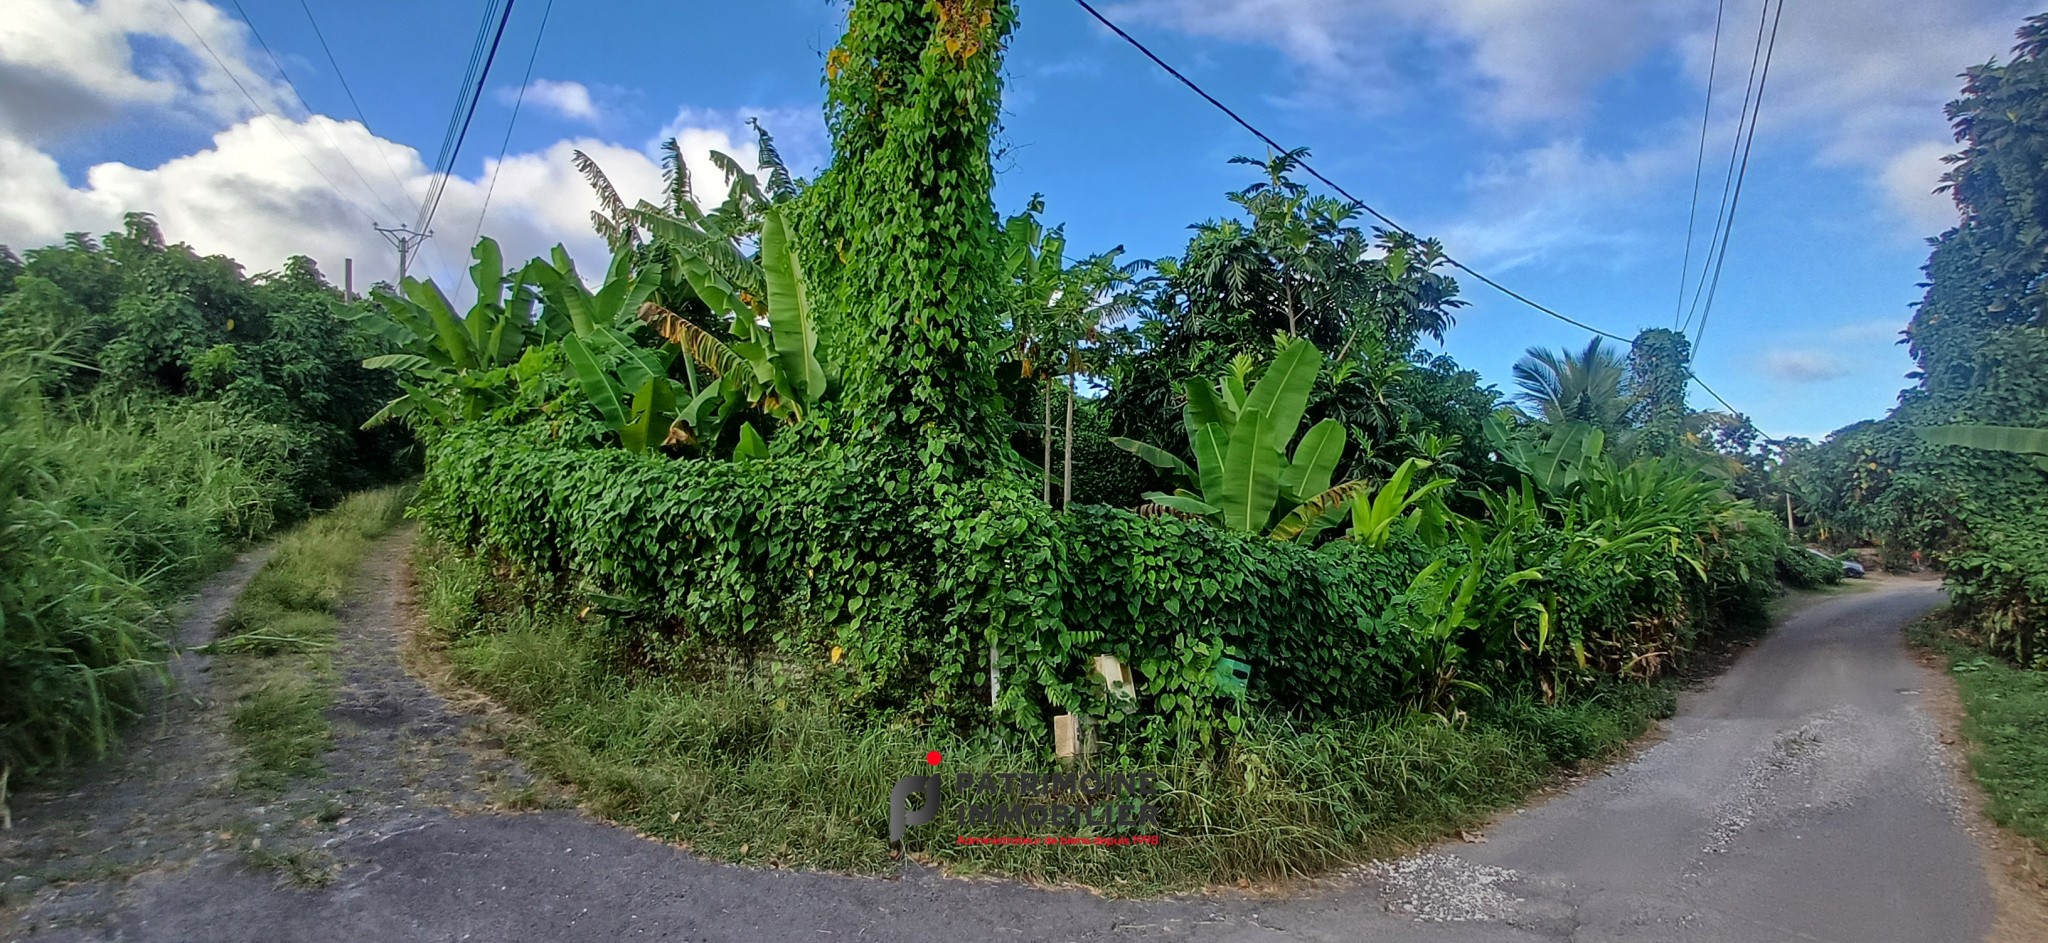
[
  {"x": 1401, "y": 503},
  {"x": 1552, "y": 455},
  {"x": 773, "y": 362},
  {"x": 1246, "y": 477},
  {"x": 1449, "y": 607},
  {"x": 455, "y": 368},
  {"x": 626, "y": 383},
  {"x": 2015, "y": 439}
]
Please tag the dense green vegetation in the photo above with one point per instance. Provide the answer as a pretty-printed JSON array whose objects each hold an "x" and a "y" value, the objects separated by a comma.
[
  {"x": 1927, "y": 478},
  {"x": 833, "y": 472},
  {"x": 158, "y": 410}
]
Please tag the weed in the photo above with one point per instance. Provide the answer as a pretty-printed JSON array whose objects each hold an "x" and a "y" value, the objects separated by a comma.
[{"x": 274, "y": 646}]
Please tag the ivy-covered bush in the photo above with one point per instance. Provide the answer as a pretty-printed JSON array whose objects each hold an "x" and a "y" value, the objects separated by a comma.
[
  {"x": 895, "y": 603},
  {"x": 975, "y": 601}
]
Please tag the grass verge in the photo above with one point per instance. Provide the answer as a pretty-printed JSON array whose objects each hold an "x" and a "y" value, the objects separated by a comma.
[
  {"x": 2005, "y": 721},
  {"x": 274, "y": 650},
  {"x": 759, "y": 777}
]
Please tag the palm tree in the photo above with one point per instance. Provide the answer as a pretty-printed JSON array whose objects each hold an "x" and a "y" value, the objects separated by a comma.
[{"x": 1561, "y": 386}]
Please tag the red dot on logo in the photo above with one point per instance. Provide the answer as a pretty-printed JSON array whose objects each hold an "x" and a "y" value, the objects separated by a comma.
[{"x": 933, "y": 758}]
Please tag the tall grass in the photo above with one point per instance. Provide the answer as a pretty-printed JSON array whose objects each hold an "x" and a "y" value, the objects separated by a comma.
[
  {"x": 109, "y": 510},
  {"x": 748, "y": 774}
]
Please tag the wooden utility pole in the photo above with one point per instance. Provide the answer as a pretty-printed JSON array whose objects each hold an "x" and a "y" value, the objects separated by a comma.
[{"x": 348, "y": 279}]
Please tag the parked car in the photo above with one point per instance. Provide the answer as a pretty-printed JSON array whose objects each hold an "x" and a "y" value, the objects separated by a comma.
[{"x": 1850, "y": 568}]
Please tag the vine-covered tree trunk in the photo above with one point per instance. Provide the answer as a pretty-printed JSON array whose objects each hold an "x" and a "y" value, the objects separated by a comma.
[{"x": 905, "y": 211}]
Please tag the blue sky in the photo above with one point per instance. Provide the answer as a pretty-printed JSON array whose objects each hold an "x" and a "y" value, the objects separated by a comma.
[{"x": 1550, "y": 143}]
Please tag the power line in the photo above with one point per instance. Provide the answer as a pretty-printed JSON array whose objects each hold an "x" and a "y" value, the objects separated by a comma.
[
  {"x": 346, "y": 90},
  {"x": 1743, "y": 119},
  {"x": 325, "y": 130},
  {"x": 1361, "y": 204},
  {"x": 475, "y": 96},
  {"x": 1739, "y": 177},
  {"x": 506, "y": 144},
  {"x": 217, "y": 60},
  {"x": 1699, "y": 162}
]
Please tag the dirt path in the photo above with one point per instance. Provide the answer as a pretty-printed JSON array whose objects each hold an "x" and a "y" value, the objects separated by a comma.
[{"x": 1803, "y": 796}]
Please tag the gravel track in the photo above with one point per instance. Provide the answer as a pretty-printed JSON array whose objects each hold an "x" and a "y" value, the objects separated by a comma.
[{"x": 1802, "y": 796}]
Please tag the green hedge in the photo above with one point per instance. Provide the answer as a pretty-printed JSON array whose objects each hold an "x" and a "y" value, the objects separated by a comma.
[
  {"x": 818, "y": 574},
  {"x": 799, "y": 558}
]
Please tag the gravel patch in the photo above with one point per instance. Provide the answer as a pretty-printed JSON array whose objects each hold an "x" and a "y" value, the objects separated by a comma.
[{"x": 1442, "y": 888}]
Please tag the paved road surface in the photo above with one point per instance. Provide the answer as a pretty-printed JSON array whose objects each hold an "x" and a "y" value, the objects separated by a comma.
[{"x": 1802, "y": 797}]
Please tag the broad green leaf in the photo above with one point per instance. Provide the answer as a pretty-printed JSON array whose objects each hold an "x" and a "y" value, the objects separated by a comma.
[
  {"x": 1204, "y": 408},
  {"x": 1281, "y": 395},
  {"x": 1251, "y": 475},
  {"x": 1183, "y": 504},
  {"x": 751, "y": 446},
  {"x": 1309, "y": 519},
  {"x": 598, "y": 386},
  {"x": 1210, "y": 443},
  {"x": 1315, "y": 460},
  {"x": 789, "y": 314},
  {"x": 1157, "y": 457},
  {"x": 488, "y": 274},
  {"x": 453, "y": 340},
  {"x": 410, "y": 363},
  {"x": 636, "y": 364}
]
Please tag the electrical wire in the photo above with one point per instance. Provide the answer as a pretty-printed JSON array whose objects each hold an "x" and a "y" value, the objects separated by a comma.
[
  {"x": 1355, "y": 201},
  {"x": 1699, "y": 162},
  {"x": 1736, "y": 201},
  {"x": 350, "y": 92},
  {"x": 265, "y": 112},
  {"x": 474, "y": 96},
  {"x": 1361, "y": 204},
  {"x": 326, "y": 131},
  {"x": 506, "y": 144},
  {"x": 1742, "y": 122}
]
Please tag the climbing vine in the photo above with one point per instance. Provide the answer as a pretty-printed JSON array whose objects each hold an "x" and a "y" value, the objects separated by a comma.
[{"x": 909, "y": 229}]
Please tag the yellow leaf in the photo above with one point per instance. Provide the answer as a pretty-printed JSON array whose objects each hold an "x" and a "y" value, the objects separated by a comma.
[{"x": 837, "y": 653}]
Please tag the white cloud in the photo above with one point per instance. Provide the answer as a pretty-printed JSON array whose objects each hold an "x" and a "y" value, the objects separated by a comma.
[
  {"x": 570, "y": 100},
  {"x": 66, "y": 65},
  {"x": 1804, "y": 366},
  {"x": 1519, "y": 59},
  {"x": 1860, "y": 87},
  {"x": 1908, "y": 180},
  {"x": 267, "y": 188},
  {"x": 1873, "y": 329},
  {"x": 1552, "y": 199}
]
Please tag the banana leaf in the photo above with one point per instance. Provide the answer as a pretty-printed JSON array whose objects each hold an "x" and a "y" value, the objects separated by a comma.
[{"x": 1251, "y": 475}]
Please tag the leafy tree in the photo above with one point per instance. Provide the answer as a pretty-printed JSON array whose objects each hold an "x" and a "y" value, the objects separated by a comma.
[{"x": 1293, "y": 264}]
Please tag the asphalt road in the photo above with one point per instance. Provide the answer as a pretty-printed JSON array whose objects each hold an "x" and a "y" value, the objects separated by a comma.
[{"x": 1801, "y": 797}]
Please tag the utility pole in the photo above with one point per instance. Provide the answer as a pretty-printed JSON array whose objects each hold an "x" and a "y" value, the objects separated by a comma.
[{"x": 406, "y": 241}]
